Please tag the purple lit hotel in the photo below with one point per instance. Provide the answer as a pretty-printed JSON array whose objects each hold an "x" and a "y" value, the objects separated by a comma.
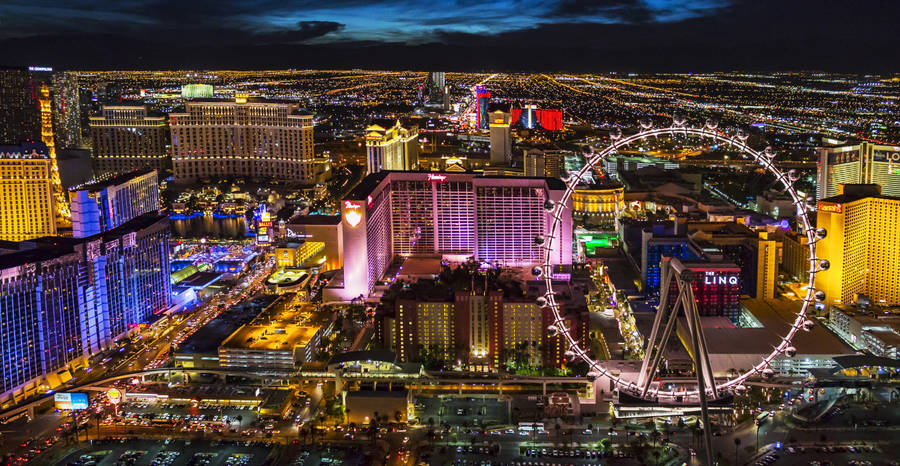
[{"x": 453, "y": 216}]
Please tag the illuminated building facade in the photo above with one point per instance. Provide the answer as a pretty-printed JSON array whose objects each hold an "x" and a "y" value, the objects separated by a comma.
[
  {"x": 863, "y": 163},
  {"x": 655, "y": 247},
  {"x": 20, "y": 117},
  {"x": 482, "y": 100},
  {"x": 501, "y": 145},
  {"x": 766, "y": 267},
  {"x": 126, "y": 138},
  {"x": 245, "y": 138},
  {"x": 604, "y": 201},
  {"x": 535, "y": 163},
  {"x": 104, "y": 205},
  {"x": 495, "y": 220},
  {"x": 197, "y": 91},
  {"x": 67, "y": 109},
  {"x": 392, "y": 147},
  {"x": 795, "y": 256},
  {"x": 62, "y": 201},
  {"x": 862, "y": 246},
  {"x": 27, "y": 201},
  {"x": 64, "y": 299},
  {"x": 484, "y": 331},
  {"x": 717, "y": 289}
]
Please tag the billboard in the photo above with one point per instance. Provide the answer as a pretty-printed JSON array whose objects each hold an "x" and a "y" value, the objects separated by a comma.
[{"x": 71, "y": 401}]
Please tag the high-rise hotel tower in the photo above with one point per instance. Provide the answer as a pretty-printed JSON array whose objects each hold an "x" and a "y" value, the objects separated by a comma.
[
  {"x": 495, "y": 220},
  {"x": 27, "y": 202},
  {"x": 863, "y": 163},
  {"x": 128, "y": 138},
  {"x": 249, "y": 137},
  {"x": 862, "y": 246}
]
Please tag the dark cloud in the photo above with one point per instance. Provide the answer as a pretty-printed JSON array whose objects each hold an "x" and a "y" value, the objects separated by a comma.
[
  {"x": 630, "y": 11},
  {"x": 744, "y": 34}
]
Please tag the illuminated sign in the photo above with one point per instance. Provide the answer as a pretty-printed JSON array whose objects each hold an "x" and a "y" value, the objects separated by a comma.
[
  {"x": 437, "y": 178},
  {"x": 711, "y": 278},
  {"x": 635, "y": 205},
  {"x": 352, "y": 213},
  {"x": 370, "y": 201},
  {"x": 40, "y": 68},
  {"x": 70, "y": 401},
  {"x": 829, "y": 207},
  {"x": 114, "y": 395},
  {"x": 498, "y": 121}
]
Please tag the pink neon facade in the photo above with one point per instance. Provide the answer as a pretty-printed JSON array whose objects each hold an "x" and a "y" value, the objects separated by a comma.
[{"x": 453, "y": 215}]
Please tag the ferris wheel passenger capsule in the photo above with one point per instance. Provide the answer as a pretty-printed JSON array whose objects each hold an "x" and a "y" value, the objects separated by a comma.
[
  {"x": 769, "y": 152},
  {"x": 790, "y": 351},
  {"x": 821, "y": 233},
  {"x": 540, "y": 301},
  {"x": 808, "y": 325},
  {"x": 646, "y": 123},
  {"x": 793, "y": 175},
  {"x": 712, "y": 123},
  {"x": 615, "y": 133},
  {"x": 549, "y": 205},
  {"x": 768, "y": 373},
  {"x": 539, "y": 240},
  {"x": 743, "y": 135},
  {"x": 819, "y": 295},
  {"x": 824, "y": 264},
  {"x": 679, "y": 119}
]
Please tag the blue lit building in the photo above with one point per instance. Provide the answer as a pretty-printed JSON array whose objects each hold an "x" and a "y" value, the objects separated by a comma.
[
  {"x": 63, "y": 300},
  {"x": 103, "y": 205},
  {"x": 654, "y": 247}
]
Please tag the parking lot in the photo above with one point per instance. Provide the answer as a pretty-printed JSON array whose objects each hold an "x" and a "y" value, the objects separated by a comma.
[
  {"x": 851, "y": 455},
  {"x": 170, "y": 453},
  {"x": 459, "y": 411}
]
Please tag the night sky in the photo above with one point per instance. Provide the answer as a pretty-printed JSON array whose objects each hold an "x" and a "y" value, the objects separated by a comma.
[{"x": 856, "y": 36}]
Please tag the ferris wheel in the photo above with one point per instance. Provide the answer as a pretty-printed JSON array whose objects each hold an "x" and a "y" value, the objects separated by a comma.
[{"x": 711, "y": 388}]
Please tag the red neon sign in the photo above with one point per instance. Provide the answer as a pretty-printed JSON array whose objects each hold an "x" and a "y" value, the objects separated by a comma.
[
  {"x": 351, "y": 205},
  {"x": 437, "y": 178}
]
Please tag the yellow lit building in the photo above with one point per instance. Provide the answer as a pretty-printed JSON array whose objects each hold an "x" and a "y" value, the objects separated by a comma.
[
  {"x": 27, "y": 202},
  {"x": 424, "y": 327},
  {"x": 62, "y": 200},
  {"x": 766, "y": 267},
  {"x": 392, "y": 147},
  {"x": 606, "y": 200},
  {"x": 862, "y": 246},
  {"x": 522, "y": 329},
  {"x": 293, "y": 254}
]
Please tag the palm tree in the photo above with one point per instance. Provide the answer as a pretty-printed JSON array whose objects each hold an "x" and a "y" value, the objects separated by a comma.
[
  {"x": 558, "y": 431},
  {"x": 737, "y": 443}
]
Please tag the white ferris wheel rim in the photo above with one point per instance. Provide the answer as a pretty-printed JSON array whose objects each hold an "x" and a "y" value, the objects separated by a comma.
[{"x": 764, "y": 159}]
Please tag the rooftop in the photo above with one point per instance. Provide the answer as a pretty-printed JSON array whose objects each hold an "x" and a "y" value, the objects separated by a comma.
[
  {"x": 207, "y": 339},
  {"x": 314, "y": 220},
  {"x": 115, "y": 180},
  {"x": 275, "y": 337}
]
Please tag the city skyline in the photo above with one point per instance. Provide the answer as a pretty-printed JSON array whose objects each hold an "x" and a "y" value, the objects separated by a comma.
[
  {"x": 626, "y": 35},
  {"x": 414, "y": 233}
]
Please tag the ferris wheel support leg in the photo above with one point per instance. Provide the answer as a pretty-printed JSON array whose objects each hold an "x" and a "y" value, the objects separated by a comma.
[
  {"x": 693, "y": 320},
  {"x": 701, "y": 349},
  {"x": 656, "y": 351},
  {"x": 649, "y": 350}
]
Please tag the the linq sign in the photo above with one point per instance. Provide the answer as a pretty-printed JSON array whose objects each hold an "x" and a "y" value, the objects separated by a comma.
[{"x": 711, "y": 278}]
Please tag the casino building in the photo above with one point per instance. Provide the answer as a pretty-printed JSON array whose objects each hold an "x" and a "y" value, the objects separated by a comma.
[
  {"x": 862, "y": 246},
  {"x": 862, "y": 163},
  {"x": 493, "y": 219}
]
